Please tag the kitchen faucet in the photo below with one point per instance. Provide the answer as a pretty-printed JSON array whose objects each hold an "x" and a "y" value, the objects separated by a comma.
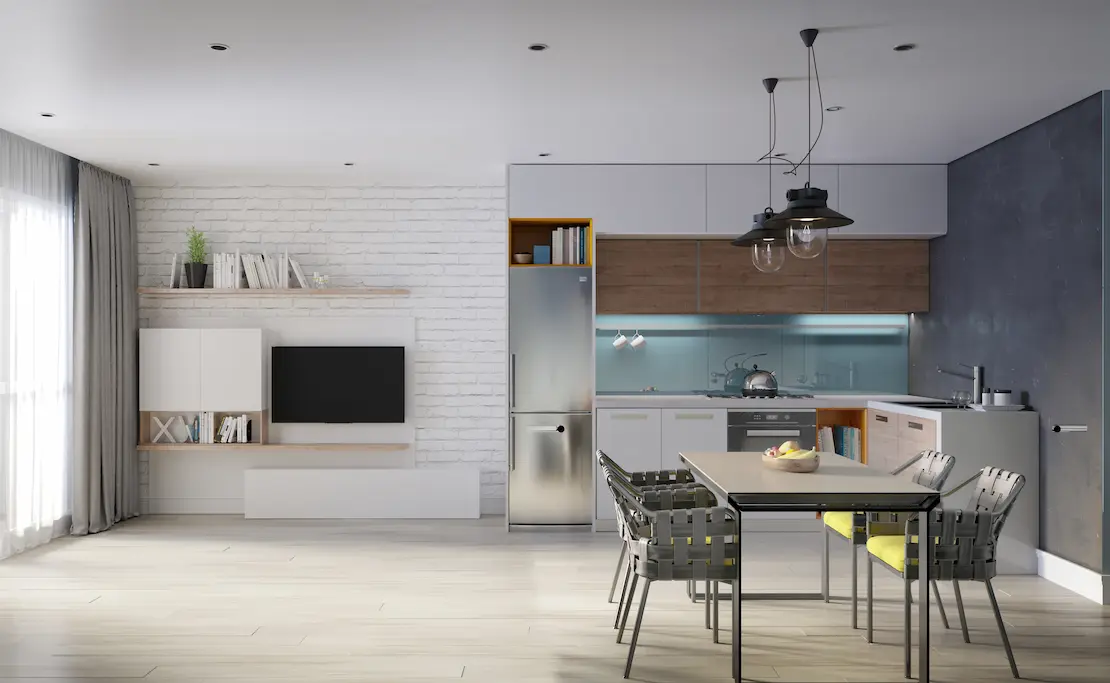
[{"x": 976, "y": 378}]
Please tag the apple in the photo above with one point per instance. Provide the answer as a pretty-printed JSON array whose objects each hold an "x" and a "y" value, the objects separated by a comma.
[{"x": 788, "y": 446}]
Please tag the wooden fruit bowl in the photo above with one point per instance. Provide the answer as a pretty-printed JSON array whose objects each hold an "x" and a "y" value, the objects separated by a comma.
[{"x": 786, "y": 465}]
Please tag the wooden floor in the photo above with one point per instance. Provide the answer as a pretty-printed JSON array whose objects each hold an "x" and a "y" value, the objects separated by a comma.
[{"x": 223, "y": 599}]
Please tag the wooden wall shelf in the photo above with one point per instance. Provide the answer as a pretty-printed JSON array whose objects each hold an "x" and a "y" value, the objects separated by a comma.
[
  {"x": 353, "y": 292},
  {"x": 274, "y": 447}
]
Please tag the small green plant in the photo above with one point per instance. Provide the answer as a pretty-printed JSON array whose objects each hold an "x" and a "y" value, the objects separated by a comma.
[{"x": 198, "y": 245}]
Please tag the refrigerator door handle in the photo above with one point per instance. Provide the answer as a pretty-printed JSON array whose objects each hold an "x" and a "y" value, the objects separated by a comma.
[
  {"x": 552, "y": 428},
  {"x": 512, "y": 442}
]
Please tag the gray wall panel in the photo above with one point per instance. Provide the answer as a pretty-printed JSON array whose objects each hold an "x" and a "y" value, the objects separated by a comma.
[{"x": 1016, "y": 286}]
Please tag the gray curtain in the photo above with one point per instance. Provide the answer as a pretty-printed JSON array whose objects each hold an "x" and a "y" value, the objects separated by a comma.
[{"x": 105, "y": 332}]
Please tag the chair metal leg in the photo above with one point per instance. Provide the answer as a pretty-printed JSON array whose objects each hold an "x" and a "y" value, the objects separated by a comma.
[
  {"x": 1002, "y": 629},
  {"x": 716, "y": 611},
  {"x": 870, "y": 599},
  {"x": 617, "y": 571},
  {"x": 825, "y": 565},
  {"x": 960, "y": 608},
  {"x": 627, "y": 607},
  {"x": 907, "y": 609},
  {"x": 940, "y": 605},
  {"x": 624, "y": 594},
  {"x": 855, "y": 586},
  {"x": 639, "y": 620}
]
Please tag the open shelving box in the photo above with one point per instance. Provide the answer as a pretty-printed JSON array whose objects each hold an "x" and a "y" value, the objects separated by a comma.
[{"x": 526, "y": 233}]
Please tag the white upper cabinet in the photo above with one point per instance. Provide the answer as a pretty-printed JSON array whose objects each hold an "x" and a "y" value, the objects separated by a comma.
[
  {"x": 735, "y": 193},
  {"x": 169, "y": 370},
  {"x": 894, "y": 201},
  {"x": 621, "y": 199},
  {"x": 232, "y": 365}
]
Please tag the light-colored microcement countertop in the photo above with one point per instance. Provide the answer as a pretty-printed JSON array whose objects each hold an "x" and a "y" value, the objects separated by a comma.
[{"x": 687, "y": 401}]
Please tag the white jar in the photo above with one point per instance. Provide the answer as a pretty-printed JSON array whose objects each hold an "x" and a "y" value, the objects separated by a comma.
[{"x": 1001, "y": 397}]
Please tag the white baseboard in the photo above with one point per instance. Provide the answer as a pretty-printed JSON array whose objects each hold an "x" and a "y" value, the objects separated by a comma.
[{"x": 1080, "y": 580}]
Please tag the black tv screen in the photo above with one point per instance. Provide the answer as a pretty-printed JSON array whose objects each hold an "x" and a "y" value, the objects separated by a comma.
[{"x": 338, "y": 384}]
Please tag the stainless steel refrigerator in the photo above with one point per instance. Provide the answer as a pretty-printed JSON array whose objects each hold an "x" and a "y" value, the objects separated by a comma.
[{"x": 551, "y": 391}]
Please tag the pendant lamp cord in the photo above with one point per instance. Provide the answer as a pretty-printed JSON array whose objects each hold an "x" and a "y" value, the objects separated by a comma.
[
  {"x": 811, "y": 63},
  {"x": 773, "y": 135}
]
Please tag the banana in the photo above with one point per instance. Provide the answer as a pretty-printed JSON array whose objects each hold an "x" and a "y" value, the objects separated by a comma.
[{"x": 799, "y": 455}]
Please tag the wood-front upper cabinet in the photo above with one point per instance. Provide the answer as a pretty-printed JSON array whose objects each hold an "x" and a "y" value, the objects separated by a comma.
[
  {"x": 878, "y": 276},
  {"x": 647, "y": 276},
  {"x": 730, "y": 283}
]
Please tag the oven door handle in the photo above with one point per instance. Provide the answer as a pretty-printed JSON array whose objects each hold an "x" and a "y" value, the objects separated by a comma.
[{"x": 773, "y": 432}]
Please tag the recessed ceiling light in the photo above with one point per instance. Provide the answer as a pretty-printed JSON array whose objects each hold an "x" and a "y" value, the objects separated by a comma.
[
  {"x": 835, "y": 107},
  {"x": 46, "y": 115},
  {"x": 218, "y": 47},
  {"x": 905, "y": 47},
  {"x": 537, "y": 47},
  {"x": 545, "y": 154},
  {"x": 349, "y": 163},
  {"x": 154, "y": 164},
  {"x": 780, "y": 154}
]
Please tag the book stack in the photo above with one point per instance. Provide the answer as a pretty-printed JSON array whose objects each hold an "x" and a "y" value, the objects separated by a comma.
[
  {"x": 231, "y": 429},
  {"x": 847, "y": 442},
  {"x": 569, "y": 246}
]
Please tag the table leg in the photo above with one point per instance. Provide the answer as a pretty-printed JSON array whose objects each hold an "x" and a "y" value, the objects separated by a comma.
[
  {"x": 736, "y": 607},
  {"x": 925, "y": 563}
]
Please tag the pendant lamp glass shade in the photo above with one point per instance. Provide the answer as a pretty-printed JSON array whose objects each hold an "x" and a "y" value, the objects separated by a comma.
[
  {"x": 768, "y": 256},
  {"x": 805, "y": 241},
  {"x": 808, "y": 205}
]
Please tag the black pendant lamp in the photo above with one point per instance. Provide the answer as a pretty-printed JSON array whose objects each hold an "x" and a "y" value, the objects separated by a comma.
[
  {"x": 768, "y": 245},
  {"x": 807, "y": 207}
]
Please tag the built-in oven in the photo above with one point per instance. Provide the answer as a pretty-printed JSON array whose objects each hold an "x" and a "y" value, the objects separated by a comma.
[{"x": 758, "y": 429}]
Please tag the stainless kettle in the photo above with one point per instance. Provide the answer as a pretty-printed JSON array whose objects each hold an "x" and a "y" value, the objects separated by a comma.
[{"x": 761, "y": 383}]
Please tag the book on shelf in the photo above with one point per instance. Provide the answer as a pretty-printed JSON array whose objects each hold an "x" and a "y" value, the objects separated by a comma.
[
  {"x": 299, "y": 273},
  {"x": 173, "y": 273}
]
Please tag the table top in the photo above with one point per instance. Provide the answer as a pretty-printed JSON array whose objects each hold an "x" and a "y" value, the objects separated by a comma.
[{"x": 838, "y": 484}]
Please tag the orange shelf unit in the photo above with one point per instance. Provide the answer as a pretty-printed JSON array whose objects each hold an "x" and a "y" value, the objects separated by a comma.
[{"x": 526, "y": 233}]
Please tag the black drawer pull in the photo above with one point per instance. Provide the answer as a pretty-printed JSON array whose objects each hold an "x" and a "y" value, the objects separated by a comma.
[
  {"x": 916, "y": 425},
  {"x": 881, "y": 418}
]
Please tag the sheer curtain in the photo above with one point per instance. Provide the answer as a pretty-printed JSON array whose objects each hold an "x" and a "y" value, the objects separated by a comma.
[{"x": 36, "y": 343}]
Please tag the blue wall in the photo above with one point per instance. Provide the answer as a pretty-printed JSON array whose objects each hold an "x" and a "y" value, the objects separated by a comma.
[
  {"x": 1016, "y": 286},
  {"x": 811, "y": 353}
]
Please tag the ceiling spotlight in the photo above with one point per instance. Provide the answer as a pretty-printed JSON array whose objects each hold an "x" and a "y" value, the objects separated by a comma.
[
  {"x": 835, "y": 107},
  {"x": 545, "y": 154},
  {"x": 218, "y": 47},
  {"x": 46, "y": 115},
  {"x": 537, "y": 47},
  {"x": 779, "y": 154},
  {"x": 154, "y": 164},
  {"x": 905, "y": 47},
  {"x": 349, "y": 163}
]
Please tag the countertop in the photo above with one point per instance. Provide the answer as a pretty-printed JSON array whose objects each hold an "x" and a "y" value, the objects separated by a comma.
[{"x": 650, "y": 400}]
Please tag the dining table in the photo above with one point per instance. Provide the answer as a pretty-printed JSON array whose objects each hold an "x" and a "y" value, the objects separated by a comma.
[{"x": 838, "y": 484}]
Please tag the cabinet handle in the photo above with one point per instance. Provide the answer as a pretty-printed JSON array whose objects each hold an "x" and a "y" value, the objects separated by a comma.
[
  {"x": 693, "y": 416},
  {"x": 915, "y": 425},
  {"x": 630, "y": 416},
  {"x": 882, "y": 418}
]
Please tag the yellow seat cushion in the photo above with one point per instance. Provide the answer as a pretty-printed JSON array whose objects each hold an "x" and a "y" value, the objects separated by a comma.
[
  {"x": 892, "y": 550},
  {"x": 840, "y": 522}
]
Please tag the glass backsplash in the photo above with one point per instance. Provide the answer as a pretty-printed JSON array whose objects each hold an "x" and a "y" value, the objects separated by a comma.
[{"x": 808, "y": 353}]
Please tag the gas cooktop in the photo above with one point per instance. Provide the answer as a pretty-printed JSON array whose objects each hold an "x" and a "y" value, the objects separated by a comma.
[{"x": 737, "y": 394}]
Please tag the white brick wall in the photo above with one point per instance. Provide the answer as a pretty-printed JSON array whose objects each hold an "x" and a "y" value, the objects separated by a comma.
[{"x": 447, "y": 244}]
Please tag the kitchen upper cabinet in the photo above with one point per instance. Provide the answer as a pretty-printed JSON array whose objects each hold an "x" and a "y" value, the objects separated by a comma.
[
  {"x": 621, "y": 199},
  {"x": 691, "y": 431},
  {"x": 736, "y": 192},
  {"x": 878, "y": 276},
  {"x": 894, "y": 201},
  {"x": 632, "y": 439},
  {"x": 647, "y": 276},
  {"x": 730, "y": 283}
]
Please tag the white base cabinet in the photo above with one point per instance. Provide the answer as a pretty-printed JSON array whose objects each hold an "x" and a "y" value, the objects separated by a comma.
[
  {"x": 632, "y": 439},
  {"x": 691, "y": 431}
]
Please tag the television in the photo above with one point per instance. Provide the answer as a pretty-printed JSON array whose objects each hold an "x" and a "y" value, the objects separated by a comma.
[{"x": 338, "y": 384}]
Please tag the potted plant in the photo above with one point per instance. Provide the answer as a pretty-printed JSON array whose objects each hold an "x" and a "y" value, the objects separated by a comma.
[{"x": 196, "y": 270}]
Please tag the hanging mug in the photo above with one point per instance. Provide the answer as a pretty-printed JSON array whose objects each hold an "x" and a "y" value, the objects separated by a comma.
[
  {"x": 619, "y": 341},
  {"x": 638, "y": 341}
]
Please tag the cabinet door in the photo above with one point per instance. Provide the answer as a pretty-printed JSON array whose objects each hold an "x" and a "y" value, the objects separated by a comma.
[
  {"x": 921, "y": 432},
  {"x": 647, "y": 276},
  {"x": 882, "y": 451},
  {"x": 169, "y": 370},
  {"x": 736, "y": 192},
  {"x": 878, "y": 276},
  {"x": 894, "y": 201},
  {"x": 231, "y": 363},
  {"x": 730, "y": 283},
  {"x": 621, "y": 199},
  {"x": 691, "y": 431},
  {"x": 631, "y": 438}
]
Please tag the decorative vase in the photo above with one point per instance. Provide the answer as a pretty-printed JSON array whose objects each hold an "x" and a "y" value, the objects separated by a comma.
[{"x": 195, "y": 274}]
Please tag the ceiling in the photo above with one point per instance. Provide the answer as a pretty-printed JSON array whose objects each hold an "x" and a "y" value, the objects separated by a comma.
[{"x": 450, "y": 84}]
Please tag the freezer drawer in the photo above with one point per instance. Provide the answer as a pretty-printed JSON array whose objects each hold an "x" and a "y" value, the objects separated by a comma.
[{"x": 551, "y": 469}]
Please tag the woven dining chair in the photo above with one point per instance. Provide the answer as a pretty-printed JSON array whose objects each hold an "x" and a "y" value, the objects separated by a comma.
[
  {"x": 928, "y": 468},
  {"x": 966, "y": 548},
  {"x": 681, "y": 493},
  {"x": 675, "y": 545}
]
